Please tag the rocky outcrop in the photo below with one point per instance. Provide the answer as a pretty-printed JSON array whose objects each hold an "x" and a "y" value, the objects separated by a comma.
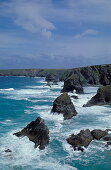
[
  {"x": 64, "y": 105},
  {"x": 84, "y": 138},
  {"x": 8, "y": 150},
  {"x": 52, "y": 78},
  {"x": 107, "y": 138},
  {"x": 81, "y": 139},
  {"x": 98, "y": 134},
  {"x": 37, "y": 132},
  {"x": 74, "y": 97},
  {"x": 103, "y": 97},
  {"x": 92, "y": 75},
  {"x": 72, "y": 83}
]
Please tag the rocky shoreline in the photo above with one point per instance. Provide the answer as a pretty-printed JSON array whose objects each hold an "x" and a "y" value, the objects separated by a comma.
[
  {"x": 74, "y": 80},
  {"x": 94, "y": 75}
]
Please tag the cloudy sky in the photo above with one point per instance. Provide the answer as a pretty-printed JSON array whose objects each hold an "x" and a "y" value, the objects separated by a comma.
[{"x": 54, "y": 33}]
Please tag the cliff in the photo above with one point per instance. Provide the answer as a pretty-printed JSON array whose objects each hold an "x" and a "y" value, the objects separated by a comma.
[{"x": 98, "y": 74}]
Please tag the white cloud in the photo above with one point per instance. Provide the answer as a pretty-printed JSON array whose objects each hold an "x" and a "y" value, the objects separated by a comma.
[
  {"x": 41, "y": 17},
  {"x": 88, "y": 32},
  {"x": 30, "y": 15}
]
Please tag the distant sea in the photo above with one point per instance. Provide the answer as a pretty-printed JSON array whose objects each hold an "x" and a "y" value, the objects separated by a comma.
[{"x": 22, "y": 100}]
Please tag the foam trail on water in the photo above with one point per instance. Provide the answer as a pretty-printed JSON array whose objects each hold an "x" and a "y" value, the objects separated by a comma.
[{"x": 9, "y": 89}]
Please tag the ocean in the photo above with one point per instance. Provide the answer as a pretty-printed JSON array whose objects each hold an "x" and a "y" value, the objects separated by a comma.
[{"x": 22, "y": 100}]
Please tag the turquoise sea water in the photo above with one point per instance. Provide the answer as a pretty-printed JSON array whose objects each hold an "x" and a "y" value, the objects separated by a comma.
[{"x": 22, "y": 100}]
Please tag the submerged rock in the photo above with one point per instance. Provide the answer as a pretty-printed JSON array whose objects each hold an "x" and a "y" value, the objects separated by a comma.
[
  {"x": 37, "y": 132},
  {"x": 8, "y": 150},
  {"x": 103, "y": 97},
  {"x": 84, "y": 138},
  {"x": 107, "y": 137},
  {"x": 74, "y": 97},
  {"x": 48, "y": 84},
  {"x": 72, "y": 83},
  {"x": 64, "y": 105}
]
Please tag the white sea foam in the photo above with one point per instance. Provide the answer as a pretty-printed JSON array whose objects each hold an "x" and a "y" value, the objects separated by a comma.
[
  {"x": 88, "y": 117},
  {"x": 9, "y": 89},
  {"x": 23, "y": 154}
]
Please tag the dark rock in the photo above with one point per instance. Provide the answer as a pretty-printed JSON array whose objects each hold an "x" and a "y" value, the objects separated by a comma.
[
  {"x": 55, "y": 83},
  {"x": 81, "y": 139},
  {"x": 72, "y": 83},
  {"x": 91, "y": 74},
  {"x": 48, "y": 84},
  {"x": 37, "y": 132},
  {"x": 80, "y": 149},
  {"x": 107, "y": 137},
  {"x": 52, "y": 78},
  {"x": 8, "y": 150},
  {"x": 103, "y": 97},
  {"x": 95, "y": 75},
  {"x": 98, "y": 134},
  {"x": 84, "y": 138},
  {"x": 108, "y": 143},
  {"x": 79, "y": 89},
  {"x": 64, "y": 105},
  {"x": 74, "y": 97}
]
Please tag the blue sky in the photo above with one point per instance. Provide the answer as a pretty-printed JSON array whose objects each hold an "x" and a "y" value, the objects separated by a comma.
[{"x": 54, "y": 33}]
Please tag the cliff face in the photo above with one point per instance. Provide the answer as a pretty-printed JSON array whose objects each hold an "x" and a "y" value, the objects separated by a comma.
[
  {"x": 95, "y": 75},
  {"x": 60, "y": 73},
  {"x": 92, "y": 75}
]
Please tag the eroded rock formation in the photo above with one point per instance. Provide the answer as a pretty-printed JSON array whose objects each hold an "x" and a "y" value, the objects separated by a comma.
[
  {"x": 64, "y": 105},
  {"x": 37, "y": 132}
]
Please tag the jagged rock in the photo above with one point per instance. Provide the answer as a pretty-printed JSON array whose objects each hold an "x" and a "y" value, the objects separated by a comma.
[
  {"x": 103, "y": 97},
  {"x": 108, "y": 143},
  {"x": 98, "y": 133},
  {"x": 8, "y": 150},
  {"x": 48, "y": 84},
  {"x": 79, "y": 89},
  {"x": 98, "y": 74},
  {"x": 91, "y": 74},
  {"x": 74, "y": 97},
  {"x": 37, "y": 132},
  {"x": 52, "y": 78},
  {"x": 107, "y": 137},
  {"x": 64, "y": 105},
  {"x": 84, "y": 138},
  {"x": 72, "y": 83},
  {"x": 81, "y": 139}
]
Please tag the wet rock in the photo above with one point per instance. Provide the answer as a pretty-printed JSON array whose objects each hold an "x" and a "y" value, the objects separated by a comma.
[
  {"x": 84, "y": 138},
  {"x": 48, "y": 84},
  {"x": 81, "y": 139},
  {"x": 79, "y": 89},
  {"x": 74, "y": 97},
  {"x": 37, "y": 132},
  {"x": 8, "y": 150},
  {"x": 52, "y": 78},
  {"x": 103, "y": 97},
  {"x": 64, "y": 105},
  {"x": 73, "y": 83},
  {"x": 107, "y": 137},
  {"x": 80, "y": 149},
  {"x": 98, "y": 134},
  {"x": 108, "y": 143}
]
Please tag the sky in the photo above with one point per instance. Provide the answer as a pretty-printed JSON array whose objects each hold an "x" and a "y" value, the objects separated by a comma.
[{"x": 54, "y": 33}]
